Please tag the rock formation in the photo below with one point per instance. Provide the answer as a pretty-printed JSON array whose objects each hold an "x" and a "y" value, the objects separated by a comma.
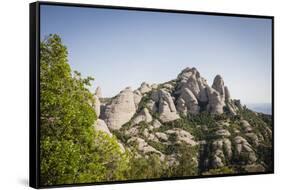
[
  {"x": 166, "y": 107},
  {"x": 101, "y": 126},
  {"x": 98, "y": 92},
  {"x": 121, "y": 109},
  {"x": 157, "y": 118}
]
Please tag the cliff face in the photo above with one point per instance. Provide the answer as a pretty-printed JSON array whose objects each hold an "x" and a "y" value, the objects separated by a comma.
[{"x": 186, "y": 110}]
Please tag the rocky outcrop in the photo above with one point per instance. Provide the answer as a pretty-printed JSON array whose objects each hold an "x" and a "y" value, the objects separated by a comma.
[
  {"x": 166, "y": 107},
  {"x": 144, "y": 115},
  {"x": 227, "y": 94},
  {"x": 101, "y": 126},
  {"x": 244, "y": 151},
  {"x": 161, "y": 136},
  {"x": 187, "y": 102},
  {"x": 182, "y": 135},
  {"x": 98, "y": 92},
  {"x": 216, "y": 102},
  {"x": 137, "y": 97},
  {"x": 144, "y": 88},
  {"x": 162, "y": 118},
  {"x": 190, "y": 78},
  {"x": 221, "y": 150},
  {"x": 194, "y": 93},
  {"x": 120, "y": 110},
  {"x": 143, "y": 147},
  {"x": 218, "y": 85}
]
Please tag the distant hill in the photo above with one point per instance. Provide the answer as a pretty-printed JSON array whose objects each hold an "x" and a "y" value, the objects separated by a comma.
[{"x": 265, "y": 108}]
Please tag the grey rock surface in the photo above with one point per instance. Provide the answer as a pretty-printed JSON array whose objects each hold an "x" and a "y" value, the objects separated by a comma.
[{"x": 121, "y": 109}]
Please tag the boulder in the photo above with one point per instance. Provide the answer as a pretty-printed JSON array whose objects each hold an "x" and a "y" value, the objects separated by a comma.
[
  {"x": 246, "y": 126},
  {"x": 121, "y": 109},
  {"x": 144, "y": 115},
  {"x": 222, "y": 133},
  {"x": 253, "y": 138},
  {"x": 183, "y": 136},
  {"x": 161, "y": 136},
  {"x": 156, "y": 124}
]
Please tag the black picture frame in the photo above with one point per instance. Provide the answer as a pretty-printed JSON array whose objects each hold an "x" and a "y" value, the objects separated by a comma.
[{"x": 34, "y": 89}]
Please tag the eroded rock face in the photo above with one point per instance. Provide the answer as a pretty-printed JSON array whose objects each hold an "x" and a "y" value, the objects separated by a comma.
[
  {"x": 191, "y": 79},
  {"x": 161, "y": 136},
  {"x": 166, "y": 107},
  {"x": 144, "y": 115},
  {"x": 156, "y": 124},
  {"x": 98, "y": 92},
  {"x": 221, "y": 150},
  {"x": 244, "y": 151},
  {"x": 187, "y": 102},
  {"x": 227, "y": 93},
  {"x": 223, "y": 133},
  {"x": 101, "y": 126},
  {"x": 218, "y": 85},
  {"x": 137, "y": 97},
  {"x": 144, "y": 88},
  {"x": 121, "y": 109},
  {"x": 183, "y": 136},
  {"x": 216, "y": 103}
]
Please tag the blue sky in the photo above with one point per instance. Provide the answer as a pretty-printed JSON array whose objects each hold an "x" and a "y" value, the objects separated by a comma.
[{"x": 123, "y": 48}]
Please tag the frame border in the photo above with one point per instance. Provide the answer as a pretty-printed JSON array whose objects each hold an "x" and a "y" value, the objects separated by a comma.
[{"x": 34, "y": 90}]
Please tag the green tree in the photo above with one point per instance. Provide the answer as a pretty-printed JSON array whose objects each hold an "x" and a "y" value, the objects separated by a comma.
[
  {"x": 145, "y": 167},
  {"x": 218, "y": 171},
  {"x": 71, "y": 151},
  {"x": 187, "y": 162}
]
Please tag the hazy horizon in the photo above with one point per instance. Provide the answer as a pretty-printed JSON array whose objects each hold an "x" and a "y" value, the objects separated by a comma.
[{"x": 121, "y": 48}]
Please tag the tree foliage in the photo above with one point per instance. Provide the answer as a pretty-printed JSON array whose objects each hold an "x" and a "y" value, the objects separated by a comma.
[{"x": 71, "y": 151}]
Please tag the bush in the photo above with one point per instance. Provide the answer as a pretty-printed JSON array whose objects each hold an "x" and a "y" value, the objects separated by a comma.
[{"x": 219, "y": 171}]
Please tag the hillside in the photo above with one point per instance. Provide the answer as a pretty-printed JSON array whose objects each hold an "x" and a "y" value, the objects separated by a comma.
[{"x": 188, "y": 124}]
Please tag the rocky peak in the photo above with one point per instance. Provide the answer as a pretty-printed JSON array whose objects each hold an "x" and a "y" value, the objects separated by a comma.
[
  {"x": 144, "y": 88},
  {"x": 121, "y": 109},
  {"x": 218, "y": 85},
  {"x": 188, "y": 72},
  {"x": 98, "y": 92}
]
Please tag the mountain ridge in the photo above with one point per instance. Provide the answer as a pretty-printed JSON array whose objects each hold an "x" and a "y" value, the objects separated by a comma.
[{"x": 187, "y": 111}]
